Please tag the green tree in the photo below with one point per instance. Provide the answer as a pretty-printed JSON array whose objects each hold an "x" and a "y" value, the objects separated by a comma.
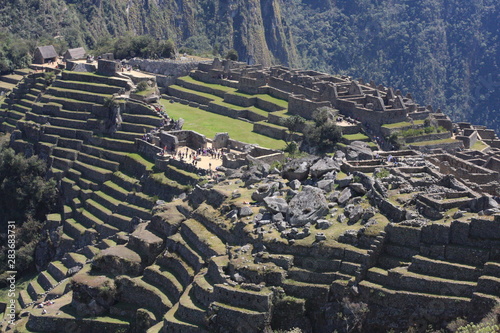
[
  {"x": 324, "y": 133},
  {"x": 232, "y": 55}
]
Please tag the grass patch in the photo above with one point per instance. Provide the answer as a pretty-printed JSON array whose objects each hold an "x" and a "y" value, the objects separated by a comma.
[
  {"x": 209, "y": 124},
  {"x": 403, "y": 124},
  {"x": 355, "y": 137},
  {"x": 479, "y": 145},
  {"x": 189, "y": 79},
  {"x": 141, "y": 160},
  {"x": 434, "y": 142}
]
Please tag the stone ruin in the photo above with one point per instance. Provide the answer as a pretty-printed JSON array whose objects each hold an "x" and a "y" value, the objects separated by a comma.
[{"x": 144, "y": 246}]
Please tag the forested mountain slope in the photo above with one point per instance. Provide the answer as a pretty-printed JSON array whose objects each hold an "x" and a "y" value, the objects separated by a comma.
[{"x": 446, "y": 52}]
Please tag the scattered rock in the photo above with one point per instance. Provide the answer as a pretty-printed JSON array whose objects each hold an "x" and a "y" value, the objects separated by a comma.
[
  {"x": 344, "y": 196},
  {"x": 323, "y": 166},
  {"x": 323, "y": 224},
  {"x": 320, "y": 237},
  {"x": 276, "y": 205},
  {"x": 245, "y": 211},
  {"x": 308, "y": 205},
  {"x": 295, "y": 184},
  {"x": 326, "y": 185}
]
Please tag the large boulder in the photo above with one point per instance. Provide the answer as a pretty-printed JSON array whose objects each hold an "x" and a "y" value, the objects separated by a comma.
[
  {"x": 276, "y": 205},
  {"x": 324, "y": 166},
  {"x": 264, "y": 191},
  {"x": 298, "y": 168},
  {"x": 307, "y": 206},
  {"x": 359, "y": 150}
]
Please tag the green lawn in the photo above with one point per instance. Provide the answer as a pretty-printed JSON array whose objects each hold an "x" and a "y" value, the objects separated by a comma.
[
  {"x": 433, "y": 142},
  {"x": 479, "y": 145},
  {"x": 356, "y": 137},
  {"x": 403, "y": 124},
  {"x": 209, "y": 124}
]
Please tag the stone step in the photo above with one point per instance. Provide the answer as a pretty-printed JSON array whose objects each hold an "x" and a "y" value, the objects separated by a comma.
[
  {"x": 202, "y": 239},
  {"x": 93, "y": 173},
  {"x": 133, "y": 210},
  {"x": 27, "y": 103},
  {"x": 61, "y": 163},
  {"x": 20, "y": 108},
  {"x": 171, "y": 323},
  {"x": 489, "y": 285},
  {"x": 11, "y": 78},
  {"x": 492, "y": 268},
  {"x": 73, "y": 228},
  {"x": 303, "y": 275},
  {"x": 240, "y": 318},
  {"x": 403, "y": 279},
  {"x": 349, "y": 268},
  {"x": 140, "y": 199},
  {"x": 138, "y": 119},
  {"x": 61, "y": 131},
  {"x": 141, "y": 129},
  {"x": 77, "y": 95},
  {"x": 98, "y": 162},
  {"x": 67, "y": 103},
  {"x": 126, "y": 182},
  {"x": 444, "y": 269},
  {"x": 176, "y": 243},
  {"x": 86, "y": 184},
  {"x": 15, "y": 114},
  {"x": 66, "y": 153},
  {"x": 89, "y": 220},
  {"x": 203, "y": 288},
  {"x": 113, "y": 156},
  {"x": 92, "y": 78},
  {"x": 74, "y": 175},
  {"x": 388, "y": 262},
  {"x": 46, "y": 281},
  {"x": 88, "y": 87},
  {"x": 90, "y": 251},
  {"x": 319, "y": 292},
  {"x": 107, "y": 201},
  {"x": 35, "y": 290},
  {"x": 377, "y": 275},
  {"x": 119, "y": 145},
  {"x": 164, "y": 280},
  {"x": 129, "y": 136},
  {"x": 150, "y": 296},
  {"x": 189, "y": 310},
  {"x": 98, "y": 210},
  {"x": 178, "y": 266},
  {"x": 121, "y": 222},
  {"x": 24, "y": 299},
  {"x": 72, "y": 259},
  {"x": 68, "y": 143},
  {"x": 57, "y": 270},
  {"x": 115, "y": 191},
  {"x": 68, "y": 114},
  {"x": 68, "y": 123},
  {"x": 407, "y": 299},
  {"x": 30, "y": 97}
]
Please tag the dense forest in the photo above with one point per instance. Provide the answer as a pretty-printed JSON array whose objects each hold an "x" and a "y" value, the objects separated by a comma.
[
  {"x": 445, "y": 52},
  {"x": 26, "y": 196}
]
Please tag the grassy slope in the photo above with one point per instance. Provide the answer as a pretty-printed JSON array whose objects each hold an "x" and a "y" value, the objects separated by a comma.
[{"x": 209, "y": 124}]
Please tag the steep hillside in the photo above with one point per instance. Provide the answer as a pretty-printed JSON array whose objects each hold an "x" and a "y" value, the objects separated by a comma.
[{"x": 445, "y": 51}]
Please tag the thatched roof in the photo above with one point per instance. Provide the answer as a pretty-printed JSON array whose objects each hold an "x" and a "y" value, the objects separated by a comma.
[
  {"x": 47, "y": 51},
  {"x": 77, "y": 53}
]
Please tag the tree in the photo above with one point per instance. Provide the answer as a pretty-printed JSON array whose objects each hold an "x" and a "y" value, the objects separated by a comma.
[
  {"x": 232, "y": 55},
  {"x": 324, "y": 134}
]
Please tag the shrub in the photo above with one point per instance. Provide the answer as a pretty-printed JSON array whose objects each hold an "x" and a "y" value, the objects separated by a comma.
[{"x": 143, "y": 85}]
